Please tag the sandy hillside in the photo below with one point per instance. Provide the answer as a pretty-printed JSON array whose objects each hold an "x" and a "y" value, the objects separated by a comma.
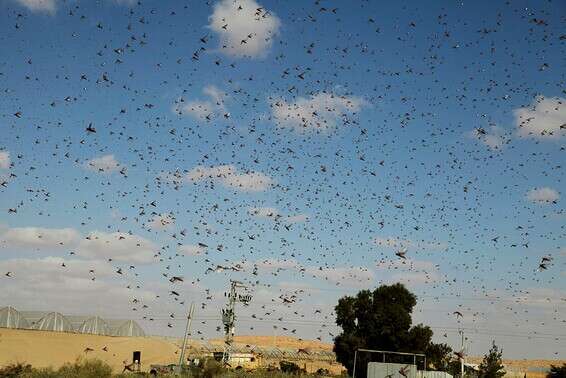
[
  {"x": 42, "y": 348},
  {"x": 522, "y": 365},
  {"x": 285, "y": 342}
]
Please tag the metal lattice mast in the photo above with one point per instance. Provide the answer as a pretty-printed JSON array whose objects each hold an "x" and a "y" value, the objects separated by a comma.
[{"x": 229, "y": 318}]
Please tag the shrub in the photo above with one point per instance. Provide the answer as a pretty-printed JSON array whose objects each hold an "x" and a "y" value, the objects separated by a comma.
[
  {"x": 290, "y": 367},
  {"x": 14, "y": 370},
  {"x": 85, "y": 369},
  {"x": 557, "y": 371},
  {"x": 78, "y": 369}
]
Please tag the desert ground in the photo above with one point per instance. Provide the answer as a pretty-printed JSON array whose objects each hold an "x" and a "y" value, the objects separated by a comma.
[
  {"x": 43, "y": 349},
  {"x": 285, "y": 342}
]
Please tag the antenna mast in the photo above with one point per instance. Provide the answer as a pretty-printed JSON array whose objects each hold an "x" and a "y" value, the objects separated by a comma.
[{"x": 229, "y": 317}]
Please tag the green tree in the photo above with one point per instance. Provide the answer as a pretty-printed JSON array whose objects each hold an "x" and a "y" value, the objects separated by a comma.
[
  {"x": 557, "y": 371},
  {"x": 438, "y": 357},
  {"x": 492, "y": 364},
  {"x": 381, "y": 320}
]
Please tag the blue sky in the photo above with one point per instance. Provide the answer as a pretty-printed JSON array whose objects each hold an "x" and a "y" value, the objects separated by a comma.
[{"x": 310, "y": 153}]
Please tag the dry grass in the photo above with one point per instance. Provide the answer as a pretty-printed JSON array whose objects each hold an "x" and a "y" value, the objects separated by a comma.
[{"x": 44, "y": 349}]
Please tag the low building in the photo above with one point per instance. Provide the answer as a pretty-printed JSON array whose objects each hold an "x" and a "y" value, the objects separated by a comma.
[{"x": 243, "y": 360}]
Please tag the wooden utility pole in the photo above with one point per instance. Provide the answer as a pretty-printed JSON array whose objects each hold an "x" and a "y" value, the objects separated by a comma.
[{"x": 462, "y": 351}]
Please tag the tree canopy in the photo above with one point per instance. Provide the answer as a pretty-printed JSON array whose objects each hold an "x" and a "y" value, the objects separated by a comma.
[
  {"x": 382, "y": 320},
  {"x": 557, "y": 371},
  {"x": 492, "y": 364}
]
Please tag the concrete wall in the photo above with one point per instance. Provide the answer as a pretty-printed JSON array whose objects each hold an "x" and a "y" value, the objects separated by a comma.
[
  {"x": 389, "y": 370},
  {"x": 432, "y": 374}
]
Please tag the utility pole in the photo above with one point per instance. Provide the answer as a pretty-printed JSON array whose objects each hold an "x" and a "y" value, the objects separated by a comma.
[
  {"x": 462, "y": 351},
  {"x": 274, "y": 337},
  {"x": 229, "y": 317},
  {"x": 187, "y": 331}
]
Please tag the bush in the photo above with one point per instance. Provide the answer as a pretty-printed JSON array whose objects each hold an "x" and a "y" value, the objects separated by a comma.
[
  {"x": 86, "y": 369},
  {"x": 208, "y": 368},
  {"x": 79, "y": 369},
  {"x": 14, "y": 371},
  {"x": 290, "y": 367},
  {"x": 557, "y": 371}
]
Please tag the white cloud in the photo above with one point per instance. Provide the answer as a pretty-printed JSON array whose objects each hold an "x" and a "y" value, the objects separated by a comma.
[
  {"x": 244, "y": 27},
  {"x": 545, "y": 118},
  {"x": 51, "y": 265},
  {"x": 407, "y": 264},
  {"x": 104, "y": 164},
  {"x": 395, "y": 242},
  {"x": 215, "y": 94},
  {"x": 39, "y": 5},
  {"x": 494, "y": 138},
  {"x": 543, "y": 195},
  {"x": 119, "y": 246},
  {"x": 273, "y": 213},
  {"x": 162, "y": 222},
  {"x": 264, "y": 212},
  {"x": 415, "y": 278},
  {"x": 319, "y": 112},
  {"x": 192, "y": 250},
  {"x": 45, "y": 285},
  {"x": 299, "y": 218},
  {"x": 5, "y": 160},
  {"x": 229, "y": 176},
  {"x": 276, "y": 264},
  {"x": 411, "y": 271},
  {"x": 97, "y": 245},
  {"x": 38, "y": 237},
  {"x": 352, "y": 276},
  {"x": 204, "y": 109},
  {"x": 542, "y": 297}
]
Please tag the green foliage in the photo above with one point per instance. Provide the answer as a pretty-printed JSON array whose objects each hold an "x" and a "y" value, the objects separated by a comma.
[
  {"x": 454, "y": 368},
  {"x": 209, "y": 368},
  {"x": 492, "y": 364},
  {"x": 86, "y": 369},
  {"x": 382, "y": 320},
  {"x": 14, "y": 371},
  {"x": 92, "y": 368},
  {"x": 290, "y": 367},
  {"x": 557, "y": 371},
  {"x": 79, "y": 369},
  {"x": 438, "y": 356}
]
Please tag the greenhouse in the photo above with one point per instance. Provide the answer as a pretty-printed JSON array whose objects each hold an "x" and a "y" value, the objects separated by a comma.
[
  {"x": 94, "y": 326},
  {"x": 129, "y": 328},
  {"x": 54, "y": 321},
  {"x": 11, "y": 318}
]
